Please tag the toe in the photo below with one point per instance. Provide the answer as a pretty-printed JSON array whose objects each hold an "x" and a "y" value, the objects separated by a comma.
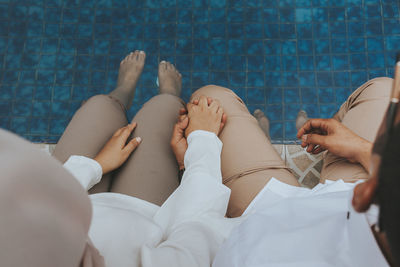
[
  {"x": 135, "y": 55},
  {"x": 163, "y": 65},
  {"x": 128, "y": 57},
  {"x": 142, "y": 55}
]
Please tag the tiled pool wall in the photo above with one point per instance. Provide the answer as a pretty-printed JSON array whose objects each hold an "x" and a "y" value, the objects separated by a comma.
[{"x": 278, "y": 55}]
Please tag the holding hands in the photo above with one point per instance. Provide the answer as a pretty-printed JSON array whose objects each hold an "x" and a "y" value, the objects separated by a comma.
[
  {"x": 328, "y": 134},
  {"x": 202, "y": 114}
]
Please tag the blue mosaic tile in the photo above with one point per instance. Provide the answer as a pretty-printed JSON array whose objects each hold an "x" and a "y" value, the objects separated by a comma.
[
  {"x": 20, "y": 125},
  {"x": 276, "y": 131},
  {"x": 39, "y": 126},
  {"x": 279, "y": 56},
  {"x": 290, "y": 130}
]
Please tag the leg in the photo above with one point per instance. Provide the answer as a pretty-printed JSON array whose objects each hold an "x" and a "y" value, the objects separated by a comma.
[
  {"x": 90, "y": 128},
  {"x": 362, "y": 113},
  {"x": 151, "y": 172},
  {"x": 248, "y": 159},
  {"x": 96, "y": 121}
]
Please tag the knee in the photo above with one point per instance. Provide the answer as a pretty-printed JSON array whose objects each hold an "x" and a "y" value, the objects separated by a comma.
[
  {"x": 379, "y": 87},
  {"x": 383, "y": 82},
  {"x": 213, "y": 91},
  {"x": 102, "y": 101},
  {"x": 98, "y": 99},
  {"x": 160, "y": 99}
]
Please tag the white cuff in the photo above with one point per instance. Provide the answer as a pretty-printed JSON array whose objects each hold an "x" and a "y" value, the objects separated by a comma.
[
  {"x": 205, "y": 134},
  {"x": 87, "y": 171}
]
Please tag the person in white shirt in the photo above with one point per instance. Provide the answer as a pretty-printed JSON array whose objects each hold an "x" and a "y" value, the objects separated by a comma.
[{"x": 287, "y": 225}]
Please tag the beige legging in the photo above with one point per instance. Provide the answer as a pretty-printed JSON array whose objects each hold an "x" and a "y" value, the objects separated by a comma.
[
  {"x": 151, "y": 171},
  {"x": 248, "y": 159}
]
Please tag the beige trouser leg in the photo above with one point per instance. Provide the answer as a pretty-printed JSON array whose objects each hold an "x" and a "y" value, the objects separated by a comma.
[
  {"x": 90, "y": 128},
  {"x": 362, "y": 113},
  {"x": 248, "y": 159},
  {"x": 151, "y": 172}
]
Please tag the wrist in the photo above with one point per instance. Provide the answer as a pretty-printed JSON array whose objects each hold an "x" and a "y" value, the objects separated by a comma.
[
  {"x": 364, "y": 155},
  {"x": 102, "y": 165}
]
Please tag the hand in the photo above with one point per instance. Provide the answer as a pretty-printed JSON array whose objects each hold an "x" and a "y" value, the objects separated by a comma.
[
  {"x": 205, "y": 114},
  {"x": 178, "y": 141},
  {"x": 329, "y": 134},
  {"x": 116, "y": 151}
]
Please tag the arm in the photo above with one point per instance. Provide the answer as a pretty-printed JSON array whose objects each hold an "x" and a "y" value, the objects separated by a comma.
[
  {"x": 193, "y": 218},
  {"x": 201, "y": 189},
  {"x": 178, "y": 141},
  {"x": 329, "y": 134}
]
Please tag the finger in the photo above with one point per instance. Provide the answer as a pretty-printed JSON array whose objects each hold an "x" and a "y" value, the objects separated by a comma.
[
  {"x": 312, "y": 124},
  {"x": 132, "y": 145},
  {"x": 189, "y": 107},
  {"x": 119, "y": 131},
  {"x": 220, "y": 113},
  {"x": 182, "y": 111},
  {"x": 314, "y": 139},
  {"x": 209, "y": 100},
  {"x": 215, "y": 105},
  {"x": 223, "y": 122},
  {"x": 127, "y": 132},
  {"x": 183, "y": 123},
  {"x": 310, "y": 148},
  {"x": 203, "y": 101},
  {"x": 177, "y": 133},
  {"x": 182, "y": 117},
  {"x": 224, "y": 118},
  {"x": 318, "y": 150}
]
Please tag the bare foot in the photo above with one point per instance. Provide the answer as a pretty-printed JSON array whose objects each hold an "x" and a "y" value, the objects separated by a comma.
[
  {"x": 169, "y": 78},
  {"x": 129, "y": 72},
  {"x": 262, "y": 121},
  {"x": 301, "y": 119}
]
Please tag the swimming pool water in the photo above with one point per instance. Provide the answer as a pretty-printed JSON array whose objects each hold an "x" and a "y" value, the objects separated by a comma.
[{"x": 278, "y": 55}]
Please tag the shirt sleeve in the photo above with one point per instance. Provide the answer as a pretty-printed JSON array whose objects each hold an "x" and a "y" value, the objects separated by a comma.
[
  {"x": 193, "y": 217},
  {"x": 87, "y": 171}
]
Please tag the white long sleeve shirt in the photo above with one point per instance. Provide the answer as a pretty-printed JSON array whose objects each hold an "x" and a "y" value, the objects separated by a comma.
[
  {"x": 300, "y": 227},
  {"x": 186, "y": 230}
]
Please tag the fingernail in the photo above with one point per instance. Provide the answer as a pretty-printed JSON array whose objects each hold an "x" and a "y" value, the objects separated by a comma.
[
  {"x": 141, "y": 52},
  {"x": 304, "y": 138},
  {"x": 138, "y": 139}
]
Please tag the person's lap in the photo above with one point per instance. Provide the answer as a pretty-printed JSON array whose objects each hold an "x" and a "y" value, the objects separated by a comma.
[
  {"x": 248, "y": 158},
  {"x": 151, "y": 172},
  {"x": 362, "y": 113}
]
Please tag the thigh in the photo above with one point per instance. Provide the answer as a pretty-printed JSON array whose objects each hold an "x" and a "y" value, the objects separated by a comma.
[
  {"x": 151, "y": 172},
  {"x": 362, "y": 113},
  {"x": 90, "y": 128},
  {"x": 248, "y": 159}
]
